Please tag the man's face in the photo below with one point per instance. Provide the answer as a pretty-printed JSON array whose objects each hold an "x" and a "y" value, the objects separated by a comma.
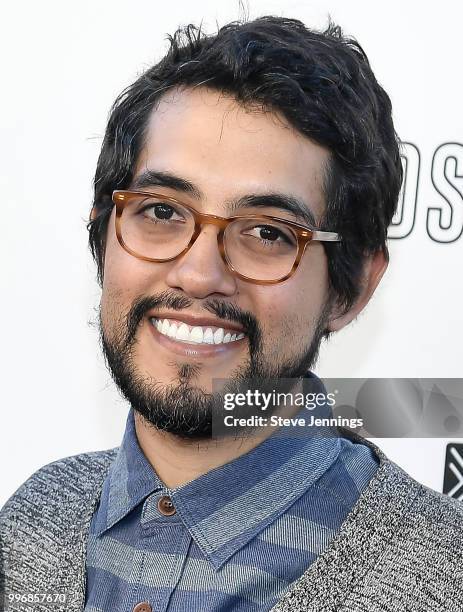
[{"x": 226, "y": 152}]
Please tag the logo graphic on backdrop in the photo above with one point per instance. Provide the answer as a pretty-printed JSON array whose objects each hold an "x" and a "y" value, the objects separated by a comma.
[
  {"x": 453, "y": 474},
  {"x": 444, "y": 218}
]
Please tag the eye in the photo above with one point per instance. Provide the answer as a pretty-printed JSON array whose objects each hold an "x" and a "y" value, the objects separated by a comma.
[
  {"x": 161, "y": 212},
  {"x": 271, "y": 234}
]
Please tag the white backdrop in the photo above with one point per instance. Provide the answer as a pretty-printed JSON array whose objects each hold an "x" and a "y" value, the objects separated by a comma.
[{"x": 63, "y": 64}]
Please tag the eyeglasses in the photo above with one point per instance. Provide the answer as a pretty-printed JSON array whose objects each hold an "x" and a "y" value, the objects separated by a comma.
[{"x": 258, "y": 248}]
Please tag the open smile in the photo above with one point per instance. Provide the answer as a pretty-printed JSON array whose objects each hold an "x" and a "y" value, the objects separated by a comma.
[{"x": 188, "y": 340}]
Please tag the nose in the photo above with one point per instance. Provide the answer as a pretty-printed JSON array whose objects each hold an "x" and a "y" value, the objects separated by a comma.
[{"x": 201, "y": 271}]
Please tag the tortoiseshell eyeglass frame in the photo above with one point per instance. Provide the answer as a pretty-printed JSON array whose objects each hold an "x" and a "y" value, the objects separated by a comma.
[{"x": 304, "y": 234}]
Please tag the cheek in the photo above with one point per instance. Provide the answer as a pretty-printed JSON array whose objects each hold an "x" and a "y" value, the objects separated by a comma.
[
  {"x": 122, "y": 282},
  {"x": 305, "y": 292},
  {"x": 289, "y": 311},
  {"x": 290, "y": 314},
  {"x": 124, "y": 274},
  {"x": 312, "y": 280}
]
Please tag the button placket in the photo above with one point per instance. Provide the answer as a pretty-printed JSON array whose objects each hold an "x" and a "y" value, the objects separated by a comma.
[{"x": 162, "y": 531}]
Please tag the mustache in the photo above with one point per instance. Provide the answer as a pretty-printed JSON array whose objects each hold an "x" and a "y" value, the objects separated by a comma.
[{"x": 168, "y": 299}]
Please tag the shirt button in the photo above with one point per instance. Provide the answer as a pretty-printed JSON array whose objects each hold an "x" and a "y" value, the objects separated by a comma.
[
  {"x": 143, "y": 606},
  {"x": 165, "y": 506}
]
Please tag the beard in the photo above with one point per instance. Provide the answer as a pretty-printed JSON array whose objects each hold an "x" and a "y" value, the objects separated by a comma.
[{"x": 185, "y": 410}]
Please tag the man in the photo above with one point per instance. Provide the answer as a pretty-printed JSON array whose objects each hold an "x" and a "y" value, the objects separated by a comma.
[{"x": 242, "y": 199}]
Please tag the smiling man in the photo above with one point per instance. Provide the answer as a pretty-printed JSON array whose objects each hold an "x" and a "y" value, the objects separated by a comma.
[{"x": 242, "y": 199}]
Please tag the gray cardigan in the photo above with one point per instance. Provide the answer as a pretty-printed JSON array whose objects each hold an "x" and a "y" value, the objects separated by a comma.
[{"x": 400, "y": 548}]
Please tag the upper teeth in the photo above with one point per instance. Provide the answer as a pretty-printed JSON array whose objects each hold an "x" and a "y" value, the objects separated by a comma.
[{"x": 197, "y": 335}]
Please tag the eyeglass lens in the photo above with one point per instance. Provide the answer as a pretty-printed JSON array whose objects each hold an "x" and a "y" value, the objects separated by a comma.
[{"x": 256, "y": 248}]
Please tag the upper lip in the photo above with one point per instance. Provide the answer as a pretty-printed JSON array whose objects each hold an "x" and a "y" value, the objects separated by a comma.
[{"x": 197, "y": 321}]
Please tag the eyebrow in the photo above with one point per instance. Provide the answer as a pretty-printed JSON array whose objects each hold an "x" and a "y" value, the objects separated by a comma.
[{"x": 283, "y": 201}]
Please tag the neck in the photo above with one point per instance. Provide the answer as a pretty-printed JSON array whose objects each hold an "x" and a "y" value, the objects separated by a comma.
[{"x": 178, "y": 461}]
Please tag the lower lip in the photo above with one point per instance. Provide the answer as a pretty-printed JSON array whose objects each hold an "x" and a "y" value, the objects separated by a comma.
[{"x": 187, "y": 349}]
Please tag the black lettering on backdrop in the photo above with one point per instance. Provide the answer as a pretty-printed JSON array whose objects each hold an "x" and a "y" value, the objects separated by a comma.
[
  {"x": 404, "y": 219},
  {"x": 444, "y": 216},
  {"x": 445, "y": 224}
]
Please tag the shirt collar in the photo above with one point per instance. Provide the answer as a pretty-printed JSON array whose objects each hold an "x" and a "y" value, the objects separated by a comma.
[
  {"x": 129, "y": 481},
  {"x": 229, "y": 505}
]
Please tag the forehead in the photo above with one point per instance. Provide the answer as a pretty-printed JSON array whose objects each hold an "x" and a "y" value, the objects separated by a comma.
[{"x": 229, "y": 150}]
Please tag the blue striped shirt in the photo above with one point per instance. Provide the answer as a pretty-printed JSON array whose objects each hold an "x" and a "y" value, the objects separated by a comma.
[{"x": 240, "y": 534}]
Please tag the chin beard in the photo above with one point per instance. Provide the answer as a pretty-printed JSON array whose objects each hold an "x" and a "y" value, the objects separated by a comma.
[{"x": 185, "y": 410}]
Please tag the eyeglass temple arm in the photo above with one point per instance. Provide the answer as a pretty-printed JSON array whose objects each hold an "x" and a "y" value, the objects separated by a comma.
[{"x": 326, "y": 236}]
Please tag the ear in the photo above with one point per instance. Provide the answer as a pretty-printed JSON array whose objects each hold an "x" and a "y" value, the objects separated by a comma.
[{"x": 374, "y": 267}]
